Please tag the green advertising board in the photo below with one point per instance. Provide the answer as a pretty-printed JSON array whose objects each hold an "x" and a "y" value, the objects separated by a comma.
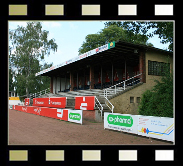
[
  {"x": 121, "y": 122},
  {"x": 75, "y": 116}
]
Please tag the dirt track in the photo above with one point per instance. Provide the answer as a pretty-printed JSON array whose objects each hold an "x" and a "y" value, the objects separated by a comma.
[{"x": 30, "y": 129}]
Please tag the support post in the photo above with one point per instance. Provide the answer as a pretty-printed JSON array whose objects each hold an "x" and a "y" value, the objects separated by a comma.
[
  {"x": 65, "y": 82},
  {"x": 125, "y": 68},
  {"x": 112, "y": 75},
  {"x": 51, "y": 85},
  {"x": 77, "y": 80},
  {"x": 71, "y": 81},
  {"x": 56, "y": 85},
  {"x": 142, "y": 66},
  {"x": 92, "y": 79},
  {"x": 101, "y": 77}
]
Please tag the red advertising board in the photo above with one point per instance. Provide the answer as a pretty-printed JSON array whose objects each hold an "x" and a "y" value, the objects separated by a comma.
[
  {"x": 56, "y": 113},
  {"x": 27, "y": 101},
  {"x": 56, "y": 102},
  {"x": 40, "y": 101},
  {"x": 85, "y": 102}
]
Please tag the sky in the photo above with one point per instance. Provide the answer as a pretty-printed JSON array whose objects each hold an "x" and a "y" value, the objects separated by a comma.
[{"x": 69, "y": 36}]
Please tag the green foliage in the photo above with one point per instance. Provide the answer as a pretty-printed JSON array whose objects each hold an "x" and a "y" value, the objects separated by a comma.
[
  {"x": 159, "y": 100},
  {"x": 30, "y": 45},
  {"x": 163, "y": 29},
  {"x": 11, "y": 84},
  {"x": 108, "y": 34}
]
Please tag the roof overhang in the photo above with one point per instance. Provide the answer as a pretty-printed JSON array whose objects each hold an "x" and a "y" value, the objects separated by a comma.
[{"x": 110, "y": 52}]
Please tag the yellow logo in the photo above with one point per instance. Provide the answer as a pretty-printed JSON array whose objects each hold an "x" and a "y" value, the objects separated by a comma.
[{"x": 111, "y": 44}]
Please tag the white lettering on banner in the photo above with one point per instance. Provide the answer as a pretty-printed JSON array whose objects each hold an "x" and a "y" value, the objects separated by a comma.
[
  {"x": 56, "y": 103},
  {"x": 117, "y": 119},
  {"x": 39, "y": 102},
  {"x": 24, "y": 109},
  {"x": 83, "y": 105},
  {"x": 60, "y": 113},
  {"x": 37, "y": 110}
]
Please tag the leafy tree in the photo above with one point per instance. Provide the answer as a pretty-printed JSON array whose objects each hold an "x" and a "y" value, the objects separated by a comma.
[
  {"x": 11, "y": 84},
  {"x": 108, "y": 34},
  {"x": 163, "y": 29},
  {"x": 159, "y": 100},
  {"x": 30, "y": 45}
]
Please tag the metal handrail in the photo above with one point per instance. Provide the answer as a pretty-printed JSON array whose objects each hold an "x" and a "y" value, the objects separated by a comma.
[
  {"x": 114, "y": 86},
  {"x": 112, "y": 107},
  {"x": 101, "y": 107},
  {"x": 45, "y": 91},
  {"x": 124, "y": 84}
]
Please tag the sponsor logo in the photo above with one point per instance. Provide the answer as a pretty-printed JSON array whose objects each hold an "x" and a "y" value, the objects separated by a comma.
[
  {"x": 75, "y": 116},
  {"x": 102, "y": 48},
  {"x": 111, "y": 45},
  {"x": 37, "y": 110},
  {"x": 55, "y": 103},
  {"x": 83, "y": 56},
  {"x": 24, "y": 109},
  {"x": 39, "y": 102},
  {"x": 120, "y": 120}
]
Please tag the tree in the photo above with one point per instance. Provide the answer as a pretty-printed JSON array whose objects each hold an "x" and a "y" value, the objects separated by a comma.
[
  {"x": 163, "y": 29},
  {"x": 30, "y": 45},
  {"x": 11, "y": 73},
  {"x": 108, "y": 34},
  {"x": 159, "y": 100}
]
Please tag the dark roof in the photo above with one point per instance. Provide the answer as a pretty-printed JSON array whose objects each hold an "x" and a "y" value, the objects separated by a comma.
[{"x": 122, "y": 49}]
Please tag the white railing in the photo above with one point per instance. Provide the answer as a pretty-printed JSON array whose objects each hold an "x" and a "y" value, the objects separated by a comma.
[
  {"x": 34, "y": 95},
  {"x": 122, "y": 85},
  {"x": 99, "y": 106},
  {"x": 108, "y": 102}
]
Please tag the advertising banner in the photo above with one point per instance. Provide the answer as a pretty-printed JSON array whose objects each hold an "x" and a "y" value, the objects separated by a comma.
[
  {"x": 18, "y": 107},
  {"x": 121, "y": 122},
  {"x": 85, "y": 102},
  {"x": 40, "y": 102},
  {"x": 27, "y": 101},
  {"x": 56, "y": 102},
  {"x": 75, "y": 116},
  {"x": 156, "y": 127},
  {"x": 82, "y": 56},
  {"x": 56, "y": 113}
]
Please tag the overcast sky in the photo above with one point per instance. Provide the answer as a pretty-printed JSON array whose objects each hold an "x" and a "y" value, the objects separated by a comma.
[{"x": 69, "y": 36}]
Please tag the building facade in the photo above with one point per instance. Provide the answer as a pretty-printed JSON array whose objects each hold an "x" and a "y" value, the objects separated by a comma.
[{"x": 108, "y": 65}]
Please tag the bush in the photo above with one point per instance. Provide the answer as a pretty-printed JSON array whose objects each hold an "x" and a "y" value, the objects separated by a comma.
[{"x": 159, "y": 100}]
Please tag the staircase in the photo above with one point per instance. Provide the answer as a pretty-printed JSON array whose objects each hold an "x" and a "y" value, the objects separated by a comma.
[{"x": 102, "y": 96}]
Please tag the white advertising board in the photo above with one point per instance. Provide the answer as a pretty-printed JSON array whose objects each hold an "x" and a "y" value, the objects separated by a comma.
[
  {"x": 156, "y": 127},
  {"x": 75, "y": 116},
  {"x": 121, "y": 122}
]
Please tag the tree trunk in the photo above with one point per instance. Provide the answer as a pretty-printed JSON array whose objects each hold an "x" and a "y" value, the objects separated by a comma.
[{"x": 27, "y": 92}]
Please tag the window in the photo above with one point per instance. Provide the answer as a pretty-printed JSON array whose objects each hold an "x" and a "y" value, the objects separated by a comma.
[
  {"x": 131, "y": 99},
  {"x": 138, "y": 99},
  {"x": 157, "y": 68}
]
